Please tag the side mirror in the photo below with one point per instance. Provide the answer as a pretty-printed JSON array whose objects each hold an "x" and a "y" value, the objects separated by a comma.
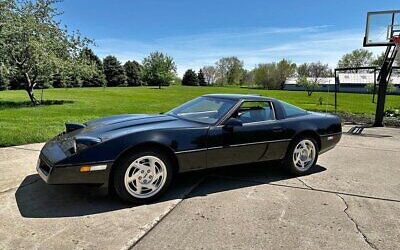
[{"x": 233, "y": 122}]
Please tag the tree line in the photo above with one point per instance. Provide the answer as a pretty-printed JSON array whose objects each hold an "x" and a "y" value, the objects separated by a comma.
[
  {"x": 36, "y": 51},
  {"x": 230, "y": 71}
]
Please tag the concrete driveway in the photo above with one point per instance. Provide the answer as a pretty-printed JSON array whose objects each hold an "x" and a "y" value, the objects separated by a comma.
[{"x": 350, "y": 201}]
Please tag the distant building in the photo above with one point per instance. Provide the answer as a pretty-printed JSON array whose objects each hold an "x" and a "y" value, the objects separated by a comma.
[{"x": 348, "y": 82}]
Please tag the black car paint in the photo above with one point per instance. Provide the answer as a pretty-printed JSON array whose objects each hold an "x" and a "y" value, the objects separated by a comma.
[{"x": 194, "y": 145}]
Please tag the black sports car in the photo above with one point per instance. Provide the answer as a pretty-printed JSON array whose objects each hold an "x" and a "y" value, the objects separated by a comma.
[{"x": 138, "y": 155}]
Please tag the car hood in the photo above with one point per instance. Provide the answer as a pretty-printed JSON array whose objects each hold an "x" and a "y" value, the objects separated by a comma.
[
  {"x": 104, "y": 129},
  {"x": 113, "y": 126},
  {"x": 126, "y": 119}
]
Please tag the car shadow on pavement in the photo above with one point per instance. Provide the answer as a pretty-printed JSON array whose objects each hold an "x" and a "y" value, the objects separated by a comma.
[{"x": 36, "y": 199}]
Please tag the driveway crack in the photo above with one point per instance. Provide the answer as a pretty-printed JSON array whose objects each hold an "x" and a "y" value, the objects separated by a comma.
[
  {"x": 135, "y": 241},
  {"x": 305, "y": 184},
  {"x": 372, "y": 245}
]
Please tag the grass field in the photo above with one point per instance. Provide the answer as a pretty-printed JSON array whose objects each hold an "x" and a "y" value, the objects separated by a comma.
[{"x": 21, "y": 123}]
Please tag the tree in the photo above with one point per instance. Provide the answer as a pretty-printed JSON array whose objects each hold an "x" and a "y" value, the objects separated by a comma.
[
  {"x": 273, "y": 75},
  {"x": 34, "y": 45},
  {"x": 190, "y": 78},
  {"x": 158, "y": 69},
  {"x": 284, "y": 69},
  {"x": 318, "y": 70},
  {"x": 248, "y": 77},
  {"x": 210, "y": 74},
  {"x": 261, "y": 74},
  {"x": 381, "y": 57},
  {"x": 3, "y": 78},
  {"x": 132, "y": 71},
  {"x": 310, "y": 75},
  {"x": 229, "y": 70},
  {"x": 97, "y": 77},
  {"x": 58, "y": 82},
  {"x": 309, "y": 86},
  {"x": 379, "y": 60},
  {"x": 356, "y": 58},
  {"x": 266, "y": 74},
  {"x": 302, "y": 70},
  {"x": 176, "y": 81},
  {"x": 90, "y": 56},
  {"x": 114, "y": 71},
  {"x": 202, "y": 80}
]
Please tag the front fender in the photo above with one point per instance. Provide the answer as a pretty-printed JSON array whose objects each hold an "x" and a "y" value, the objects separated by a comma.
[{"x": 108, "y": 151}]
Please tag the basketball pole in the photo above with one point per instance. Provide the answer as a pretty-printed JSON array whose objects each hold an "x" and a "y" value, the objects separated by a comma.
[
  {"x": 380, "y": 105},
  {"x": 374, "y": 90},
  {"x": 336, "y": 90},
  {"x": 384, "y": 74}
]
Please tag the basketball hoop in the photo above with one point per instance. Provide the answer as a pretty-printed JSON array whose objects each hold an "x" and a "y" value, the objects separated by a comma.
[{"x": 383, "y": 29}]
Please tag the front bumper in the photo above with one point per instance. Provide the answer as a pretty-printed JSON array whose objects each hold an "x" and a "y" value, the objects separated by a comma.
[{"x": 71, "y": 174}]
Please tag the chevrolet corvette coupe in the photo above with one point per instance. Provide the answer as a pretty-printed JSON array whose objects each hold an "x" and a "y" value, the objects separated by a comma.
[{"x": 138, "y": 155}]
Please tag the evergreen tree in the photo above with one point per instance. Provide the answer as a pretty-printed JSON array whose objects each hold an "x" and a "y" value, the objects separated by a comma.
[
  {"x": 132, "y": 71},
  {"x": 92, "y": 57},
  {"x": 113, "y": 71},
  {"x": 190, "y": 78},
  {"x": 202, "y": 80},
  {"x": 58, "y": 81},
  {"x": 97, "y": 77}
]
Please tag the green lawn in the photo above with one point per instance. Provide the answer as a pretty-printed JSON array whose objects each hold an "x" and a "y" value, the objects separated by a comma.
[{"x": 21, "y": 124}]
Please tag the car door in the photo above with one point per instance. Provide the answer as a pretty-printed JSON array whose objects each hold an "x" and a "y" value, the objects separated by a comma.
[{"x": 253, "y": 141}]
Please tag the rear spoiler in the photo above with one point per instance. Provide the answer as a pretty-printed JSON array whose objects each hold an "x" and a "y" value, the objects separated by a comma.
[{"x": 69, "y": 127}]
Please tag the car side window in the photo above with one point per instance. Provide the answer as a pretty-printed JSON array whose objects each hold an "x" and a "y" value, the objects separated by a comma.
[
  {"x": 291, "y": 110},
  {"x": 255, "y": 112}
]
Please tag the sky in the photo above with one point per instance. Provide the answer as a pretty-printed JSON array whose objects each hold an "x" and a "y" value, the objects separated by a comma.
[{"x": 198, "y": 33}]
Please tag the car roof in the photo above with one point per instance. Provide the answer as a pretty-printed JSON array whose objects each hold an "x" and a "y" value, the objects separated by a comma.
[{"x": 248, "y": 97}]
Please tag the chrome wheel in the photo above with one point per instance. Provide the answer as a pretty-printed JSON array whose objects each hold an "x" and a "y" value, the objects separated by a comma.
[
  {"x": 145, "y": 176},
  {"x": 304, "y": 155}
]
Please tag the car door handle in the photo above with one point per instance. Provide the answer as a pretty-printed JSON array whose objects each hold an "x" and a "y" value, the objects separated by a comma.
[{"x": 277, "y": 129}]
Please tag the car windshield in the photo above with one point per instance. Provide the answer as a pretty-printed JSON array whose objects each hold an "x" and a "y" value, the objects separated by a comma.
[{"x": 203, "y": 109}]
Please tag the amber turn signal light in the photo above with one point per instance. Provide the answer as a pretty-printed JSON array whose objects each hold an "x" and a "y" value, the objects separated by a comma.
[{"x": 85, "y": 169}]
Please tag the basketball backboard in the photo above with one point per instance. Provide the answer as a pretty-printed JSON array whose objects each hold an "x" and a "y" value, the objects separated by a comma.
[{"x": 381, "y": 27}]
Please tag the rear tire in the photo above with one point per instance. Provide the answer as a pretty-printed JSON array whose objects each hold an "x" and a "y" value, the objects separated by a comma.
[
  {"x": 302, "y": 156},
  {"x": 143, "y": 177}
]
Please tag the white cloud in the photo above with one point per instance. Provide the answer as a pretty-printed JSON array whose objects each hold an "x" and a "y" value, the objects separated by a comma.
[{"x": 253, "y": 46}]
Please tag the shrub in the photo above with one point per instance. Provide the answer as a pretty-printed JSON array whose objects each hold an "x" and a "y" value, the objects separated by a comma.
[{"x": 370, "y": 88}]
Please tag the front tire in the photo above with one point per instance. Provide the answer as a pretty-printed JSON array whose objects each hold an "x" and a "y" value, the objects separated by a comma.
[
  {"x": 143, "y": 177},
  {"x": 301, "y": 156}
]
